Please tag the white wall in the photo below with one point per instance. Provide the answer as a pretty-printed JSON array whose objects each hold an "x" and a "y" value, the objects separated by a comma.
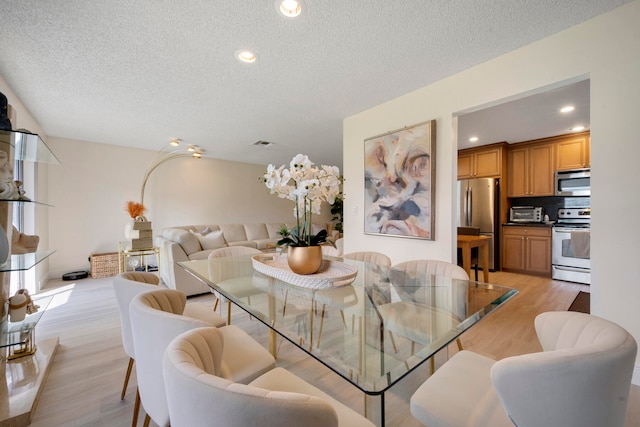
[
  {"x": 90, "y": 188},
  {"x": 92, "y": 185},
  {"x": 604, "y": 49}
]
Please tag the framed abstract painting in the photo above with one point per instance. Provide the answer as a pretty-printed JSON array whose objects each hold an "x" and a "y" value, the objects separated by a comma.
[{"x": 399, "y": 182}]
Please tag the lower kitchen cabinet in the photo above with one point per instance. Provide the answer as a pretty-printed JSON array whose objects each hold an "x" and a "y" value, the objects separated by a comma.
[{"x": 526, "y": 250}]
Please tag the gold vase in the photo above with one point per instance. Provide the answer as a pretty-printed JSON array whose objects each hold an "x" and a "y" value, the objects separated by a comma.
[{"x": 304, "y": 259}]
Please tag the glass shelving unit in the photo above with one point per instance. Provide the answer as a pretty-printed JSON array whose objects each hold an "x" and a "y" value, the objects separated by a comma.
[
  {"x": 24, "y": 262},
  {"x": 28, "y": 147},
  {"x": 18, "y": 338}
]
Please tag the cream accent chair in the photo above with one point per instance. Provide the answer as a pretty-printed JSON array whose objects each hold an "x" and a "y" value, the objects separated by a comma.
[
  {"x": 402, "y": 316},
  {"x": 369, "y": 257},
  {"x": 199, "y": 392},
  {"x": 580, "y": 379},
  {"x": 335, "y": 251},
  {"x": 248, "y": 290},
  {"x": 156, "y": 321},
  {"x": 329, "y": 250},
  {"x": 129, "y": 284}
]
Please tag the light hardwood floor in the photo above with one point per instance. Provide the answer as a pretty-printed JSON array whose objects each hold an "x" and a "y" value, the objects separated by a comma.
[{"x": 83, "y": 388}]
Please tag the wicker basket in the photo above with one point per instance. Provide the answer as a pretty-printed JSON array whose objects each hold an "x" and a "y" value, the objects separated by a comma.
[{"x": 104, "y": 265}]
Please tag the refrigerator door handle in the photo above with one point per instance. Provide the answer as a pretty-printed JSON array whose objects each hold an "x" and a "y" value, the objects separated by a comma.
[
  {"x": 469, "y": 205},
  {"x": 466, "y": 207}
]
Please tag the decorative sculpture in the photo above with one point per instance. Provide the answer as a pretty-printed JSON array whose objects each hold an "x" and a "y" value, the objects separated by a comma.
[
  {"x": 8, "y": 187},
  {"x": 20, "y": 305},
  {"x": 5, "y": 122},
  {"x": 23, "y": 243}
]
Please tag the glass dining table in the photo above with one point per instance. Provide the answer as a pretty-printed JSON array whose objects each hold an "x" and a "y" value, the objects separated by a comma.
[{"x": 372, "y": 330}]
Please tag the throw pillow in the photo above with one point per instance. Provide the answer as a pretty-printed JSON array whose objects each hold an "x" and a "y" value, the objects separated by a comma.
[{"x": 212, "y": 240}]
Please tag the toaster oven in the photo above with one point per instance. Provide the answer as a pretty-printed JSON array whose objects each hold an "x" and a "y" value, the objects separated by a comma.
[{"x": 525, "y": 214}]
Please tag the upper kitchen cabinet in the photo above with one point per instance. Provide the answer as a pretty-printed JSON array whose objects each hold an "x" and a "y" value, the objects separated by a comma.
[
  {"x": 530, "y": 169},
  {"x": 485, "y": 162},
  {"x": 573, "y": 152}
]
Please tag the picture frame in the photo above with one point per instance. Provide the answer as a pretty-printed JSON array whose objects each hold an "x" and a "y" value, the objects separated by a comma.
[{"x": 399, "y": 182}]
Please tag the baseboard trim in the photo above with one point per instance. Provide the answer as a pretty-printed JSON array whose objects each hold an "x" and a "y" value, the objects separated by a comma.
[{"x": 635, "y": 379}]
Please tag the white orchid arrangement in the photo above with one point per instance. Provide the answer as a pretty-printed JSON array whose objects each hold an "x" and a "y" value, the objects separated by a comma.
[{"x": 308, "y": 187}]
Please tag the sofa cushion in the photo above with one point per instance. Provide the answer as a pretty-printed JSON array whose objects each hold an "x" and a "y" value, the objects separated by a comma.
[
  {"x": 262, "y": 243},
  {"x": 184, "y": 238},
  {"x": 256, "y": 231},
  {"x": 211, "y": 240},
  {"x": 248, "y": 243},
  {"x": 233, "y": 232},
  {"x": 316, "y": 228},
  {"x": 200, "y": 255}
]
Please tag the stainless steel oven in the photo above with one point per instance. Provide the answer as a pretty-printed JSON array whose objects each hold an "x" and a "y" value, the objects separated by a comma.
[{"x": 571, "y": 245}]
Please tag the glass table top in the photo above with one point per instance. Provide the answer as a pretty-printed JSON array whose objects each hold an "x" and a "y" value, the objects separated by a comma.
[{"x": 373, "y": 331}]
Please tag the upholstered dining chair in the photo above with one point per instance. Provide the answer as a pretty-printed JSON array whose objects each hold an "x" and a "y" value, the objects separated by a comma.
[
  {"x": 156, "y": 321},
  {"x": 200, "y": 393},
  {"x": 247, "y": 289},
  {"x": 370, "y": 257},
  {"x": 399, "y": 316},
  {"x": 330, "y": 250},
  {"x": 580, "y": 379},
  {"x": 129, "y": 284}
]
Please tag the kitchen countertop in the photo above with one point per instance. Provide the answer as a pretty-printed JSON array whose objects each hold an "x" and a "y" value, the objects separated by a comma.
[{"x": 529, "y": 224}]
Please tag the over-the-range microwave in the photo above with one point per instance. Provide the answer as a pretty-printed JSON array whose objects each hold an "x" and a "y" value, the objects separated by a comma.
[{"x": 576, "y": 182}]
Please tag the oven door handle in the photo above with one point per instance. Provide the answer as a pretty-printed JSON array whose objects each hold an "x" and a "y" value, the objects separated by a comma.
[
  {"x": 570, "y": 229},
  {"x": 573, "y": 269}
]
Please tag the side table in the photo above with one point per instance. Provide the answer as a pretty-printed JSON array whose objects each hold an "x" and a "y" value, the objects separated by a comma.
[{"x": 125, "y": 253}]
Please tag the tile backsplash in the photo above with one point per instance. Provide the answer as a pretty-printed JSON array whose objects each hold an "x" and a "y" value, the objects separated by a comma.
[{"x": 551, "y": 204}]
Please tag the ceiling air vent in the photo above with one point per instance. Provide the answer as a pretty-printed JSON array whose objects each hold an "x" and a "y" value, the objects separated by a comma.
[{"x": 262, "y": 143}]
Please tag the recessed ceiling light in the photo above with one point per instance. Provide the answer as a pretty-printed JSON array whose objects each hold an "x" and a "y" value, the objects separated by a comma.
[
  {"x": 577, "y": 128},
  {"x": 567, "y": 109},
  {"x": 473, "y": 139},
  {"x": 246, "y": 55},
  {"x": 289, "y": 8}
]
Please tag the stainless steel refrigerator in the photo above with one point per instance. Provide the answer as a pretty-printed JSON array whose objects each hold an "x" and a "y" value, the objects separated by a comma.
[{"x": 478, "y": 206}]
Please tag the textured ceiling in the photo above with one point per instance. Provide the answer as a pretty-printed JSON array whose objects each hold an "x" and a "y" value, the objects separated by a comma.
[{"x": 137, "y": 73}]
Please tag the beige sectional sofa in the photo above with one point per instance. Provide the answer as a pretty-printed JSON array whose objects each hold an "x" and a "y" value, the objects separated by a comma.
[{"x": 193, "y": 242}]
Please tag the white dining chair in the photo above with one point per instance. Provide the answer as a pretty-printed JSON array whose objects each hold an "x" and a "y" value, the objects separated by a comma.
[
  {"x": 199, "y": 393},
  {"x": 434, "y": 311},
  {"x": 126, "y": 286},
  {"x": 580, "y": 379},
  {"x": 370, "y": 257},
  {"x": 156, "y": 321},
  {"x": 247, "y": 290}
]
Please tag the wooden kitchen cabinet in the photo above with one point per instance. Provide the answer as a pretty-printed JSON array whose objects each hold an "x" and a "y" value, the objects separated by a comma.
[
  {"x": 530, "y": 169},
  {"x": 481, "y": 162},
  {"x": 573, "y": 153},
  {"x": 526, "y": 250}
]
